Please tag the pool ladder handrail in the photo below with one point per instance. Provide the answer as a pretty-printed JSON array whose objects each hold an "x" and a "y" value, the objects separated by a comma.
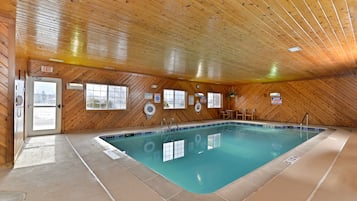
[
  {"x": 172, "y": 121},
  {"x": 163, "y": 122},
  {"x": 306, "y": 118},
  {"x": 169, "y": 125}
]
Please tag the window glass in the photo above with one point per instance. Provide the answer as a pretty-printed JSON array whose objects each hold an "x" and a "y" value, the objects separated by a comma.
[
  {"x": 117, "y": 97},
  {"x": 106, "y": 97},
  {"x": 214, "y": 100},
  {"x": 174, "y": 99}
]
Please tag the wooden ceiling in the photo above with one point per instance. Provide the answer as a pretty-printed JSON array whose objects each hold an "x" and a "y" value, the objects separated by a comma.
[{"x": 215, "y": 41}]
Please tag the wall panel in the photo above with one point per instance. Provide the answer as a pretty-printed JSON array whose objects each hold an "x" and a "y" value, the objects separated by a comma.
[
  {"x": 7, "y": 66},
  {"x": 329, "y": 101},
  {"x": 75, "y": 116}
]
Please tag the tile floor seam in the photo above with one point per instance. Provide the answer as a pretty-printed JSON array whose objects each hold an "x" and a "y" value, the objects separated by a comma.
[
  {"x": 148, "y": 185},
  {"x": 174, "y": 195},
  {"x": 327, "y": 172},
  {"x": 148, "y": 179},
  {"x": 218, "y": 195},
  {"x": 91, "y": 171},
  {"x": 280, "y": 173}
]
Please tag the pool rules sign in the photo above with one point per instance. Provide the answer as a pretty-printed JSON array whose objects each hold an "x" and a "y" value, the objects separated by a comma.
[{"x": 276, "y": 99}]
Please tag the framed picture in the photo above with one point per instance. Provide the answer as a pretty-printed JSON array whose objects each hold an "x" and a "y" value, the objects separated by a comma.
[
  {"x": 191, "y": 100},
  {"x": 157, "y": 98},
  {"x": 203, "y": 100},
  {"x": 148, "y": 96}
]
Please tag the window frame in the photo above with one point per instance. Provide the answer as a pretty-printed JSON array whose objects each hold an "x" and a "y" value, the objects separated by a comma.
[
  {"x": 174, "y": 100},
  {"x": 107, "y": 98},
  {"x": 213, "y": 95}
]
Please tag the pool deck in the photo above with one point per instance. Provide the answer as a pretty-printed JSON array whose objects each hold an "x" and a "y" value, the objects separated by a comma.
[{"x": 74, "y": 167}]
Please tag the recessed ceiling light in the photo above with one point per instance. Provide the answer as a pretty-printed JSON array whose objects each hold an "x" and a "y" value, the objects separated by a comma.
[
  {"x": 56, "y": 60},
  {"x": 295, "y": 49}
]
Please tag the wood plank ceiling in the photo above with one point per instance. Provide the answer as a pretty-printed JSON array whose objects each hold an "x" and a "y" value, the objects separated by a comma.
[{"x": 215, "y": 41}]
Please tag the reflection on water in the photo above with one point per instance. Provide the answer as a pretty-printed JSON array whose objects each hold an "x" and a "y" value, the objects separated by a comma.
[
  {"x": 214, "y": 141},
  {"x": 173, "y": 150}
]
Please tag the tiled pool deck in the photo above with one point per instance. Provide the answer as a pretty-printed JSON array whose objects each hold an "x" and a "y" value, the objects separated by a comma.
[{"x": 74, "y": 167}]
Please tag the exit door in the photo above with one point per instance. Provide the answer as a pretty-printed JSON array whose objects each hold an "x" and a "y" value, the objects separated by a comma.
[{"x": 45, "y": 106}]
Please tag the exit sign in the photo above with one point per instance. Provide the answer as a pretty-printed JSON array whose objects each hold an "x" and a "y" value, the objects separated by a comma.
[{"x": 46, "y": 69}]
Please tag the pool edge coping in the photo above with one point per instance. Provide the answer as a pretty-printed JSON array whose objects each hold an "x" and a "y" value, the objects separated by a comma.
[{"x": 326, "y": 131}]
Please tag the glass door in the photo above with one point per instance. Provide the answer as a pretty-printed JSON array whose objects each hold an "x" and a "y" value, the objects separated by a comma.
[{"x": 45, "y": 97}]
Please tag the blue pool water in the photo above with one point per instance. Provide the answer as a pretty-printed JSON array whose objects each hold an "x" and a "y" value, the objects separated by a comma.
[{"x": 202, "y": 160}]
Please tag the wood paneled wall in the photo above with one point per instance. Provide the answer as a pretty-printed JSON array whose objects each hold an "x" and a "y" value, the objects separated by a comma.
[
  {"x": 7, "y": 69},
  {"x": 329, "y": 101},
  {"x": 75, "y": 117}
]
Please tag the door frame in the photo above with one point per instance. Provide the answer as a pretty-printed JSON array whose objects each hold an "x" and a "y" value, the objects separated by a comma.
[{"x": 30, "y": 100}]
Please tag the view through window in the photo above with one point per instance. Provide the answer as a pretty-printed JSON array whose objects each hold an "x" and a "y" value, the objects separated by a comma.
[{"x": 106, "y": 97}]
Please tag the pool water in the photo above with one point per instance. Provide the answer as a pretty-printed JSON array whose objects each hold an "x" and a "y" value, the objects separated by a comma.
[{"x": 203, "y": 160}]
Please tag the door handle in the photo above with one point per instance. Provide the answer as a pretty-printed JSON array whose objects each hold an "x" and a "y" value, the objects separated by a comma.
[{"x": 59, "y": 106}]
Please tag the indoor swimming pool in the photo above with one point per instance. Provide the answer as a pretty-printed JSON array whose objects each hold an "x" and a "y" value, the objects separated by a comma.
[{"x": 202, "y": 159}]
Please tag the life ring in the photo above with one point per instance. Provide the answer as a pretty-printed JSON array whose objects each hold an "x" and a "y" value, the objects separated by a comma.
[
  {"x": 198, "y": 107},
  {"x": 149, "y": 147},
  {"x": 149, "y": 110}
]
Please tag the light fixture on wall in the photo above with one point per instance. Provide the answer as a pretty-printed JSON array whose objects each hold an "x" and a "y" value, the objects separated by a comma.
[
  {"x": 154, "y": 86},
  {"x": 274, "y": 94},
  {"x": 74, "y": 86},
  {"x": 199, "y": 94}
]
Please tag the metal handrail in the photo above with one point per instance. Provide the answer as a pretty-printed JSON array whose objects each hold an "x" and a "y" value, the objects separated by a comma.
[
  {"x": 306, "y": 116},
  {"x": 163, "y": 121},
  {"x": 172, "y": 121},
  {"x": 168, "y": 125}
]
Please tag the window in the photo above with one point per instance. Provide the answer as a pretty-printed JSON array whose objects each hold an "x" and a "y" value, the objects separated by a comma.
[
  {"x": 174, "y": 99},
  {"x": 214, "y": 100},
  {"x": 106, "y": 97}
]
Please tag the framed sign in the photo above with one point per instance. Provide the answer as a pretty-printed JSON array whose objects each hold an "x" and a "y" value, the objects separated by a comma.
[
  {"x": 203, "y": 100},
  {"x": 276, "y": 100},
  {"x": 157, "y": 98},
  {"x": 191, "y": 100},
  {"x": 148, "y": 96}
]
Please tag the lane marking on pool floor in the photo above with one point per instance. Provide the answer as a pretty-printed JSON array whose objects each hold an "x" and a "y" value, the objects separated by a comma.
[{"x": 90, "y": 170}]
